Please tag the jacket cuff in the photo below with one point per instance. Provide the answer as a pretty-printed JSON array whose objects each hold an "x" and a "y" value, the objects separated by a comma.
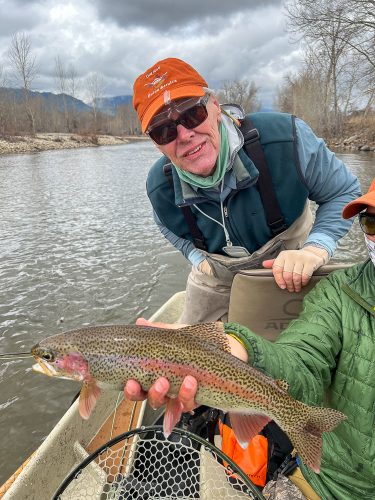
[{"x": 244, "y": 335}]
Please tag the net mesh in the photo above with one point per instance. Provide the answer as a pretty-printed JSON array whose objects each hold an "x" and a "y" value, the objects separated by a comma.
[{"x": 142, "y": 464}]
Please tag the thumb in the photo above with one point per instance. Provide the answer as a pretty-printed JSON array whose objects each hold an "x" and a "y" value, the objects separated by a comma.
[
  {"x": 268, "y": 263},
  {"x": 142, "y": 322}
]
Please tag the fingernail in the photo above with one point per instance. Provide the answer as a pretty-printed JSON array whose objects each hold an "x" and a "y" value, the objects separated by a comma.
[
  {"x": 159, "y": 387},
  {"x": 189, "y": 384}
]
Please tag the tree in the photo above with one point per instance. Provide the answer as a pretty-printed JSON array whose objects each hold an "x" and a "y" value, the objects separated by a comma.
[
  {"x": 4, "y": 102},
  {"x": 61, "y": 83},
  {"x": 327, "y": 37},
  {"x": 241, "y": 92},
  {"x": 23, "y": 63},
  {"x": 342, "y": 33},
  {"x": 358, "y": 16},
  {"x": 300, "y": 95},
  {"x": 95, "y": 88},
  {"x": 66, "y": 83}
]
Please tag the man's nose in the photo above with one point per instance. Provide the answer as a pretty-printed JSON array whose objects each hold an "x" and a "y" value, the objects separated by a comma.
[{"x": 184, "y": 133}]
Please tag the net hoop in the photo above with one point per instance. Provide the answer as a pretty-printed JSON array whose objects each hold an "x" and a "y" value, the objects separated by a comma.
[{"x": 141, "y": 433}]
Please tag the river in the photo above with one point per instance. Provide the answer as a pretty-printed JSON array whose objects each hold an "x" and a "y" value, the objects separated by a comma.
[{"x": 78, "y": 246}]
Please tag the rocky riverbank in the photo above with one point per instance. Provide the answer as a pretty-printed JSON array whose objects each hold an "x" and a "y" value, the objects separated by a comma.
[
  {"x": 354, "y": 143},
  {"x": 358, "y": 135},
  {"x": 44, "y": 142}
]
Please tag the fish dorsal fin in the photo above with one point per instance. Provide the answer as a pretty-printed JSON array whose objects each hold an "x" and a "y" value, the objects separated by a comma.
[
  {"x": 211, "y": 332},
  {"x": 88, "y": 397},
  {"x": 283, "y": 384},
  {"x": 245, "y": 427}
]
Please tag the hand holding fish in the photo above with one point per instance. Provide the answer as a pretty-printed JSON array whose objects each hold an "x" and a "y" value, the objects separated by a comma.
[
  {"x": 183, "y": 367},
  {"x": 157, "y": 394}
]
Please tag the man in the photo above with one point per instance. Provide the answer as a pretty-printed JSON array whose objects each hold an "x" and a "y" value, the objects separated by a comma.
[
  {"x": 328, "y": 350},
  {"x": 208, "y": 193}
]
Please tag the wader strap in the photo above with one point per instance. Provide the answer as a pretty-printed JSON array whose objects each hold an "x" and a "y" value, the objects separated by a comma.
[
  {"x": 196, "y": 233},
  {"x": 254, "y": 150}
]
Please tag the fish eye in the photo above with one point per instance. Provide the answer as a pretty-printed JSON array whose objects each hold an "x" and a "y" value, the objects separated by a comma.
[{"x": 48, "y": 356}]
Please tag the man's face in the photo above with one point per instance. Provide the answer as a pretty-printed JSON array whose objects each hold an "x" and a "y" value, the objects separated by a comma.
[
  {"x": 371, "y": 211},
  {"x": 196, "y": 150}
]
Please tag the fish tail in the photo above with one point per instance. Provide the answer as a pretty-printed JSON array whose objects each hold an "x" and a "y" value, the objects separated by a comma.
[{"x": 307, "y": 438}]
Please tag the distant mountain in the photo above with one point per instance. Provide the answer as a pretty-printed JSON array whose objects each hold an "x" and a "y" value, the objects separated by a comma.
[
  {"x": 51, "y": 100},
  {"x": 109, "y": 105}
]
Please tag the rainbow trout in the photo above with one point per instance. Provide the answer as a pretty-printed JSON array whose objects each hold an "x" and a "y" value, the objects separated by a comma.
[{"x": 107, "y": 356}]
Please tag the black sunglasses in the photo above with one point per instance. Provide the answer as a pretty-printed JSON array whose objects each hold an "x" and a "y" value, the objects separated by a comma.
[
  {"x": 367, "y": 223},
  {"x": 166, "y": 132}
]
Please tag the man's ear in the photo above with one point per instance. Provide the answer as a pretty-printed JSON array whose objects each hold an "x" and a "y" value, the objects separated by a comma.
[{"x": 216, "y": 103}]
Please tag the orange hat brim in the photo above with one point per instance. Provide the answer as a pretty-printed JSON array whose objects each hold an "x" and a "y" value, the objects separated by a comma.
[
  {"x": 177, "y": 93},
  {"x": 354, "y": 207}
]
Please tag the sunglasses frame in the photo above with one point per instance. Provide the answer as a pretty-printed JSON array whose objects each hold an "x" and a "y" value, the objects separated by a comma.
[
  {"x": 363, "y": 215},
  {"x": 172, "y": 111}
]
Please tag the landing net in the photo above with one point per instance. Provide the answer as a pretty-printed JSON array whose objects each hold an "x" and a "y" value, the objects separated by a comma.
[{"x": 141, "y": 464}]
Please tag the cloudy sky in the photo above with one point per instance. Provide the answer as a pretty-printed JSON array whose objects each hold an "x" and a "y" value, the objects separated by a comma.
[{"x": 222, "y": 39}]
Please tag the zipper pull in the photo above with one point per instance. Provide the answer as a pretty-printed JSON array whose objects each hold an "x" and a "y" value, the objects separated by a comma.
[{"x": 225, "y": 209}]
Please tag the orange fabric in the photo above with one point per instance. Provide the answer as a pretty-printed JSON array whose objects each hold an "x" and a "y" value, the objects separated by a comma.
[
  {"x": 252, "y": 460},
  {"x": 167, "y": 79},
  {"x": 356, "y": 206}
]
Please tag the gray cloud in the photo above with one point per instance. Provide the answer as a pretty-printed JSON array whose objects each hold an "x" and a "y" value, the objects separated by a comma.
[
  {"x": 223, "y": 40},
  {"x": 169, "y": 15},
  {"x": 18, "y": 16}
]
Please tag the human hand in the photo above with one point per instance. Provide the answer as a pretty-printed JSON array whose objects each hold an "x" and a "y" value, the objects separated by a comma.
[
  {"x": 292, "y": 269},
  {"x": 212, "y": 267},
  {"x": 205, "y": 268}
]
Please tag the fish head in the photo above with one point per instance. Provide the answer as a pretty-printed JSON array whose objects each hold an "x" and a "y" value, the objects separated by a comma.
[{"x": 61, "y": 363}]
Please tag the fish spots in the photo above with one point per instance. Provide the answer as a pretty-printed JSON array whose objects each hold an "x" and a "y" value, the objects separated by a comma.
[{"x": 114, "y": 354}]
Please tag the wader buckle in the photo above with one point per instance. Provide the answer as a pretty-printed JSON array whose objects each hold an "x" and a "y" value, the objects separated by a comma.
[
  {"x": 278, "y": 226},
  {"x": 252, "y": 136}
]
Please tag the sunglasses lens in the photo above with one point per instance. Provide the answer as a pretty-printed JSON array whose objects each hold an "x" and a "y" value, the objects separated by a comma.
[
  {"x": 194, "y": 116},
  {"x": 367, "y": 223},
  {"x": 167, "y": 132},
  {"x": 164, "y": 133}
]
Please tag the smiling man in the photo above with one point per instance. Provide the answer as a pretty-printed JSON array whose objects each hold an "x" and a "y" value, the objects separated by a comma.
[{"x": 232, "y": 191}]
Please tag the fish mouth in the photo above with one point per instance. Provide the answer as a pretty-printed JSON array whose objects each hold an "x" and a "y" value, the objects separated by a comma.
[{"x": 44, "y": 367}]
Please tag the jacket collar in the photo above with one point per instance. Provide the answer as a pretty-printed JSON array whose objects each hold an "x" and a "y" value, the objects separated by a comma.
[{"x": 361, "y": 287}]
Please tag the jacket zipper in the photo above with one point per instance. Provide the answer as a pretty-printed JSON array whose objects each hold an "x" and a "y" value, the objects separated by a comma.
[{"x": 229, "y": 227}]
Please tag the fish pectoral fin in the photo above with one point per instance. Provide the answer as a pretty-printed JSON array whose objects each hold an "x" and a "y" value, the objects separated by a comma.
[
  {"x": 172, "y": 415},
  {"x": 245, "y": 427},
  {"x": 88, "y": 397}
]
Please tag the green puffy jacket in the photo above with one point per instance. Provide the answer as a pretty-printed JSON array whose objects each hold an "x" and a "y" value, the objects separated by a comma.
[{"x": 329, "y": 353}]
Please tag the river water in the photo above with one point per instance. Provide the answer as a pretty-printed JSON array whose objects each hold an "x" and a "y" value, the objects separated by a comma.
[{"x": 78, "y": 246}]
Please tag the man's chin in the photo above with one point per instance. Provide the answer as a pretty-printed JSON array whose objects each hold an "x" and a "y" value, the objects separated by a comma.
[{"x": 198, "y": 169}]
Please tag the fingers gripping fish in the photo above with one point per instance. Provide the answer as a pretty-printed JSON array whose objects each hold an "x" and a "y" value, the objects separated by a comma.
[{"x": 107, "y": 356}]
